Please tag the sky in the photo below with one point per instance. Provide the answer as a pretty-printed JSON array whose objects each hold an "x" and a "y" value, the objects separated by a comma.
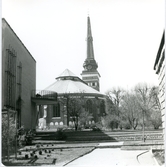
[{"x": 126, "y": 37}]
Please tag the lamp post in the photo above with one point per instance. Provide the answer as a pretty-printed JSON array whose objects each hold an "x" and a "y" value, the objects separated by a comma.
[{"x": 143, "y": 128}]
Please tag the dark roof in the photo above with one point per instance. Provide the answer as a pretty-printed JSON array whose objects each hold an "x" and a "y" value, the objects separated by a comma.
[{"x": 159, "y": 50}]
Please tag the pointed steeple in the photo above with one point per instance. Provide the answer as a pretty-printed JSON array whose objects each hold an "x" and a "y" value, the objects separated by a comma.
[
  {"x": 90, "y": 75},
  {"x": 90, "y": 53},
  {"x": 90, "y": 62}
]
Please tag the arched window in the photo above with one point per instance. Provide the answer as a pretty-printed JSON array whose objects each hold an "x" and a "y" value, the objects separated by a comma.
[
  {"x": 56, "y": 110},
  {"x": 88, "y": 106}
]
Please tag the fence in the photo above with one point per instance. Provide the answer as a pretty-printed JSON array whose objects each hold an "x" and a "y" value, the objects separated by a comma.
[{"x": 46, "y": 94}]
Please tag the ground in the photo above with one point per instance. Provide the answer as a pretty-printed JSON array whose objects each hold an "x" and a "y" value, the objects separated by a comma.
[
  {"x": 160, "y": 156},
  {"x": 50, "y": 155},
  {"x": 81, "y": 143},
  {"x": 114, "y": 153}
]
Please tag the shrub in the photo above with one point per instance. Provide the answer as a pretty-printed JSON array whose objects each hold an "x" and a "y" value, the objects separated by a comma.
[
  {"x": 40, "y": 152},
  {"x": 113, "y": 124},
  {"x": 24, "y": 138},
  {"x": 127, "y": 126},
  {"x": 8, "y": 135},
  {"x": 95, "y": 128},
  {"x": 60, "y": 135},
  {"x": 26, "y": 156}
]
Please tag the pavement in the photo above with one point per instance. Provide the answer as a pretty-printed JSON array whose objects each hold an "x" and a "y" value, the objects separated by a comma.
[
  {"x": 107, "y": 157},
  {"x": 112, "y": 153}
]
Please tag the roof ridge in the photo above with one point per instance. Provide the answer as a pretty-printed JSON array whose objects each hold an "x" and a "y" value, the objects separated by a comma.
[{"x": 66, "y": 73}]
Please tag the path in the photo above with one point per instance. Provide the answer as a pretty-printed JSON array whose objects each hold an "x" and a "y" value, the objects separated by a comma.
[{"x": 107, "y": 157}]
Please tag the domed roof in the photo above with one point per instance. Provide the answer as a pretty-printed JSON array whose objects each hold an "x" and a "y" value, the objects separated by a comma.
[{"x": 68, "y": 82}]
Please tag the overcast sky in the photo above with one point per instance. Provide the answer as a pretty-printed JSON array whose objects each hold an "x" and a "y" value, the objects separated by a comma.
[{"x": 126, "y": 37}]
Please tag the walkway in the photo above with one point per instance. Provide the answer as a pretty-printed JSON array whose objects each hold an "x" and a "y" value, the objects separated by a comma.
[{"x": 106, "y": 157}]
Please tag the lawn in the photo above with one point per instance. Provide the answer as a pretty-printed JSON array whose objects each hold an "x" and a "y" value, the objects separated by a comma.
[{"x": 43, "y": 155}]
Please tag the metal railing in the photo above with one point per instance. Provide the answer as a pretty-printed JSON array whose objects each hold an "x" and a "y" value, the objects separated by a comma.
[{"x": 46, "y": 94}]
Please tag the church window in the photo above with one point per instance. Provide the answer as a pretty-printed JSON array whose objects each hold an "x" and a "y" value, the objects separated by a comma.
[
  {"x": 56, "y": 110},
  {"x": 89, "y": 106}
]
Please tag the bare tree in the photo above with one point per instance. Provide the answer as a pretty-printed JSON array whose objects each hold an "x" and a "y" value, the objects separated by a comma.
[
  {"x": 140, "y": 106},
  {"x": 116, "y": 96},
  {"x": 145, "y": 100},
  {"x": 155, "y": 117},
  {"x": 75, "y": 104},
  {"x": 85, "y": 117},
  {"x": 74, "y": 109},
  {"x": 111, "y": 119},
  {"x": 130, "y": 109}
]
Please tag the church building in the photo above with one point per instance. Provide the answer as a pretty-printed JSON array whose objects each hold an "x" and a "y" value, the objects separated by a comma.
[
  {"x": 90, "y": 74},
  {"x": 69, "y": 86}
]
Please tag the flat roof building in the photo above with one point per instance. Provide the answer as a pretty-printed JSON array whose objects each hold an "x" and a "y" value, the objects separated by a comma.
[{"x": 18, "y": 77}]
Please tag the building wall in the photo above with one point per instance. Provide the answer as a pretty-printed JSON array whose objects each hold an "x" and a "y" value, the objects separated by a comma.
[
  {"x": 12, "y": 46},
  {"x": 162, "y": 92},
  {"x": 159, "y": 67},
  {"x": 96, "y": 108}
]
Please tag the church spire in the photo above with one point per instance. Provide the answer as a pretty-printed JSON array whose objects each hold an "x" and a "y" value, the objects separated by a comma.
[
  {"x": 90, "y": 75},
  {"x": 90, "y": 53},
  {"x": 90, "y": 63}
]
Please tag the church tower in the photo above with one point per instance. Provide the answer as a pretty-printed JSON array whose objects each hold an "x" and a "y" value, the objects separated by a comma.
[{"x": 90, "y": 74}]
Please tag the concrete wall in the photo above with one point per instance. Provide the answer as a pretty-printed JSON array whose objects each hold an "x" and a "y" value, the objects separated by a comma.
[{"x": 11, "y": 40}]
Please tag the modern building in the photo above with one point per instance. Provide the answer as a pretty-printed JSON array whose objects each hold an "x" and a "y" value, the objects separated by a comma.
[
  {"x": 159, "y": 67},
  {"x": 18, "y": 77},
  {"x": 19, "y": 94},
  {"x": 90, "y": 74}
]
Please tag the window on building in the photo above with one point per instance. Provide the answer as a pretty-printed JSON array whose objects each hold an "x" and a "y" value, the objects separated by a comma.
[
  {"x": 19, "y": 84},
  {"x": 10, "y": 78},
  {"x": 102, "y": 108},
  {"x": 93, "y": 84},
  {"x": 56, "y": 110},
  {"x": 89, "y": 106},
  {"x": 19, "y": 97}
]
